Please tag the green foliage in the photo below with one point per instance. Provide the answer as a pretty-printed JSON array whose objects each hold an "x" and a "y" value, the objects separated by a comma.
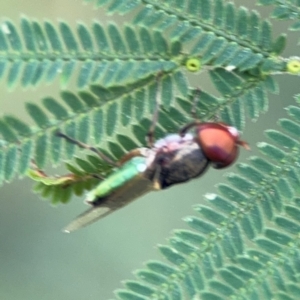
[
  {"x": 243, "y": 243},
  {"x": 83, "y": 177},
  {"x": 95, "y": 112},
  {"x": 223, "y": 36},
  {"x": 78, "y": 115},
  {"x": 285, "y": 10},
  {"x": 214, "y": 26},
  {"x": 98, "y": 54}
]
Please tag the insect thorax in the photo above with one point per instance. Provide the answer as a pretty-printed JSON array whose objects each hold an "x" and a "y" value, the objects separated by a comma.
[{"x": 179, "y": 159}]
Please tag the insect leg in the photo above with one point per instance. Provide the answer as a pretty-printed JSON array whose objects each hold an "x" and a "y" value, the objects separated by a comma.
[
  {"x": 150, "y": 134},
  {"x": 155, "y": 180},
  {"x": 130, "y": 154},
  {"x": 188, "y": 126},
  {"x": 85, "y": 146},
  {"x": 196, "y": 121}
]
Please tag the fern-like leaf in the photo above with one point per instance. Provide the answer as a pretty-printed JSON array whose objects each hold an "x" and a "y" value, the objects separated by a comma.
[
  {"x": 83, "y": 177},
  {"x": 215, "y": 28},
  {"x": 243, "y": 95},
  {"x": 105, "y": 111},
  {"x": 99, "y": 54},
  {"x": 285, "y": 10},
  {"x": 211, "y": 261},
  {"x": 99, "y": 114}
]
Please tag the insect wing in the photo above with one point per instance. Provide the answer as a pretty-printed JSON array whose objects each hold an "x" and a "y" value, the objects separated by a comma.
[
  {"x": 88, "y": 217},
  {"x": 120, "y": 197}
]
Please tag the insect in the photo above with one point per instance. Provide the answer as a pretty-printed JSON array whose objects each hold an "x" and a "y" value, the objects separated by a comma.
[{"x": 171, "y": 160}]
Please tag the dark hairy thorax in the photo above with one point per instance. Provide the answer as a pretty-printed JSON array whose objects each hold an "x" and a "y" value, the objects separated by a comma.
[{"x": 180, "y": 162}]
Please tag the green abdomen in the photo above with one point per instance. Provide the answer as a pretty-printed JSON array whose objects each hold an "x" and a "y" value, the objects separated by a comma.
[{"x": 119, "y": 177}]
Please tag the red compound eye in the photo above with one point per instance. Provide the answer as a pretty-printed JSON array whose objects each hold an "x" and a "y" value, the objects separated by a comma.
[{"x": 219, "y": 142}]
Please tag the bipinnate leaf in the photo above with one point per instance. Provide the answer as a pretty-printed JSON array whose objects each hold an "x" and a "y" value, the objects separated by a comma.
[
  {"x": 98, "y": 54},
  {"x": 257, "y": 208}
]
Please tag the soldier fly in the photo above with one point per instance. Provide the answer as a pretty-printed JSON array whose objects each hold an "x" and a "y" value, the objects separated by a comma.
[{"x": 171, "y": 160}]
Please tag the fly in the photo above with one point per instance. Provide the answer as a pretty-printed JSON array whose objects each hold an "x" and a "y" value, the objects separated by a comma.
[{"x": 171, "y": 160}]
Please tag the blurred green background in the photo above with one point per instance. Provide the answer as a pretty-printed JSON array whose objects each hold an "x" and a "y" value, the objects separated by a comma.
[{"x": 38, "y": 260}]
